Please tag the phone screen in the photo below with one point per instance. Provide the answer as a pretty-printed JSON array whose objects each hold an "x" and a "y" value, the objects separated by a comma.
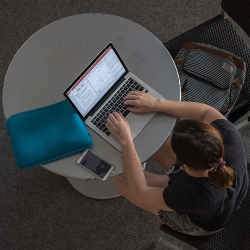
[{"x": 95, "y": 164}]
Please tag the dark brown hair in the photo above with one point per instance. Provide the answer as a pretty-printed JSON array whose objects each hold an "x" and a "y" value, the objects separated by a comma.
[{"x": 200, "y": 146}]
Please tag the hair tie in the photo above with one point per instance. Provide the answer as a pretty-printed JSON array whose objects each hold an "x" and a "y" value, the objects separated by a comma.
[{"x": 221, "y": 163}]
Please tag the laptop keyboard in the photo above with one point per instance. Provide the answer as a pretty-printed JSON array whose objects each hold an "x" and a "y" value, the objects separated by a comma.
[{"x": 115, "y": 104}]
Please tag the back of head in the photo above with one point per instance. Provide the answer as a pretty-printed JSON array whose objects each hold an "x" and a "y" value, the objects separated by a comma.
[{"x": 200, "y": 146}]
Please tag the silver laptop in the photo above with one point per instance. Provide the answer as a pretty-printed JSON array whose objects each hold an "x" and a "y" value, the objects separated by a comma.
[{"x": 99, "y": 90}]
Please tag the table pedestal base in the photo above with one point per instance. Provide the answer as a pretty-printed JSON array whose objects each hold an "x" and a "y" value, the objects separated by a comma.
[{"x": 97, "y": 189}]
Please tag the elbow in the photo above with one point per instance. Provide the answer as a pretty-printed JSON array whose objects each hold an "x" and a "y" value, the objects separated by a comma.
[
  {"x": 205, "y": 111},
  {"x": 138, "y": 192}
]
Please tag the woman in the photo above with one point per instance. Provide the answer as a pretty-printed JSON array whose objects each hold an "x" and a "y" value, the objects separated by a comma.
[{"x": 205, "y": 162}]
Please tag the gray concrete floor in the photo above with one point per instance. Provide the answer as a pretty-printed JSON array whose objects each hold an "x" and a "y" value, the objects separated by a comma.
[{"x": 41, "y": 210}]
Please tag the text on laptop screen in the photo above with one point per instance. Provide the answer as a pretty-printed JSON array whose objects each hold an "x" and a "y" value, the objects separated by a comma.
[{"x": 96, "y": 81}]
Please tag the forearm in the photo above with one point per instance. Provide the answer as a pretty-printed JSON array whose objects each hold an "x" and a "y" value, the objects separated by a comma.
[
  {"x": 132, "y": 168},
  {"x": 141, "y": 102},
  {"x": 182, "y": 109},
  {"x": 150, "y": 198}
]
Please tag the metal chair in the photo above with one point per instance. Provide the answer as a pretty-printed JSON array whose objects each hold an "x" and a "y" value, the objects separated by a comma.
[
  {"x": 220, "y": 32},
  {"x": 235, "y": 236}
]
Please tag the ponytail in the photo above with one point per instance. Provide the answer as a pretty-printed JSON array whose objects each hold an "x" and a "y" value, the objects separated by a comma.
[{"x": 222, "y": 176}]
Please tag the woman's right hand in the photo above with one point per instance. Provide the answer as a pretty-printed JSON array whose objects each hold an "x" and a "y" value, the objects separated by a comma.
[
  {"x": 118, "y": 126},
  {"x": 140, "y": 102}
]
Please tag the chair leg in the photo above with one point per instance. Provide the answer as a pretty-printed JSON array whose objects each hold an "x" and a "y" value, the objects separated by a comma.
[
  {"x": 243, "y": 123},
  {"x": 158, "y": 239},
  {"x": 223, "y": 13}
]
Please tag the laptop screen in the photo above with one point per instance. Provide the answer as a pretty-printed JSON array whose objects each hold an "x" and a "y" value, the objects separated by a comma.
[{"x": 96, "y": 80}]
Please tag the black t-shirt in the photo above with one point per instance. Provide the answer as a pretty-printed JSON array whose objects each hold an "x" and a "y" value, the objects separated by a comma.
[{"x": 207, "y": 205}]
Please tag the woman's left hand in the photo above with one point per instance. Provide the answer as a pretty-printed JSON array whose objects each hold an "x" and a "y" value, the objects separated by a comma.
[{"x": 118, "y": 126}]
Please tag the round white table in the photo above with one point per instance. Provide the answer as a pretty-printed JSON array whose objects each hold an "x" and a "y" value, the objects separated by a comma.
[{"x": 50, "y": 59}]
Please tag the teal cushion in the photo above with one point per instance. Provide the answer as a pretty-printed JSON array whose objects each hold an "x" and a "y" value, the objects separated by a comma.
[{"x": 45, "y": 134}]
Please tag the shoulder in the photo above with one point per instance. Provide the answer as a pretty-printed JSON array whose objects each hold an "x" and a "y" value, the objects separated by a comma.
[
  {"x": 223, "y": 124},
  {"x": 228, "y": 132},
  {"x": 234, "y": 148}
]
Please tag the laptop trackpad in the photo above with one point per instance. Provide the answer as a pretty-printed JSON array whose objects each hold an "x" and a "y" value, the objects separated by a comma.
[{"x": 138, "y": 121}]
